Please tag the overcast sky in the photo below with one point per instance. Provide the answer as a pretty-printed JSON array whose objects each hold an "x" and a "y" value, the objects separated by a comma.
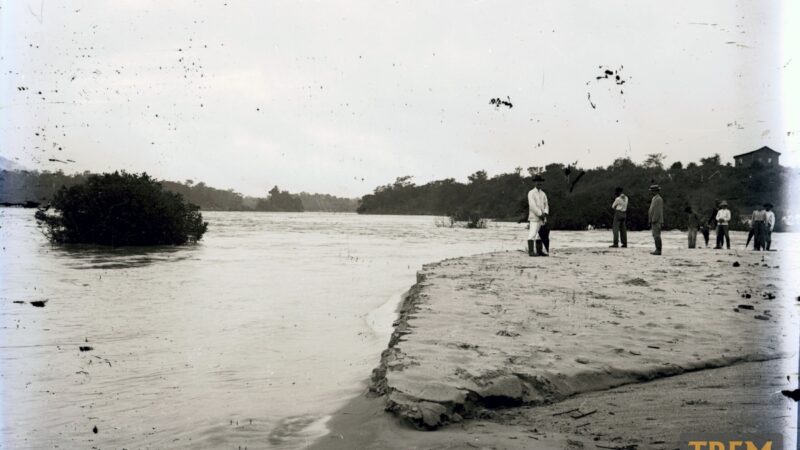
[{"x": 340, "y": 97}]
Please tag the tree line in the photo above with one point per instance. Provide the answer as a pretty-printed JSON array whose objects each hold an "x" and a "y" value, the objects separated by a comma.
[
  {"x": 17, "y": 187},
  {"x": 580, "y": 198}
]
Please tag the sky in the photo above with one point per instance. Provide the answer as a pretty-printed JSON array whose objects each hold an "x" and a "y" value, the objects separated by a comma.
[{"x": 340, "y": 97}]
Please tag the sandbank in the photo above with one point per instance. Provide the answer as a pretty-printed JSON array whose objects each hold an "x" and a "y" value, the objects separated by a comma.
[{"x": 489, "y": 348}]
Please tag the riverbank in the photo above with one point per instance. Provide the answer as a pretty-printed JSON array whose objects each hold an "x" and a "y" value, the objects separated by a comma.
[{"x": 488, "y": 349}]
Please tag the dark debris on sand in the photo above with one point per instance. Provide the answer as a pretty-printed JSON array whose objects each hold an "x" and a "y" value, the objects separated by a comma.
[{"x": 794, "y": 395}]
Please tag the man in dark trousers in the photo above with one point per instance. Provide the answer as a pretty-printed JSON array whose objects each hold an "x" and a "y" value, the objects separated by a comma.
[
  {"x": 759, "y": 221},
  {"x": 770, "y": 225},
  {"x": 620, "y": 208},
  {"x": 723, "y": 219},
  {"x": 656, "y": 216},
  {"x": 692, "y": 225},
  {"x": 705, "y": 231},
  {"x": 711, "y": 223}
]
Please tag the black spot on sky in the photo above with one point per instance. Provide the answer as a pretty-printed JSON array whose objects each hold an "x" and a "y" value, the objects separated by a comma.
[{"x": 498, "y": 102}]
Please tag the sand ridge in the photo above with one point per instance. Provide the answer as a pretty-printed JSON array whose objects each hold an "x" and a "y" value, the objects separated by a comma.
[{"x": 504, "y": 329}]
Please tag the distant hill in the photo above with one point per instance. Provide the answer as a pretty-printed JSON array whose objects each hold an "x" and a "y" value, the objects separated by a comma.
[{"x": 19, "y": 186}]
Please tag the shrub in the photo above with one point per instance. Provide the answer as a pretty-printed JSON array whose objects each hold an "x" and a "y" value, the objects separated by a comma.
[
  {"x": 472, "y": 219},
  {"x": 445, "y": 222},
  {"x": 121, "y": 209}
]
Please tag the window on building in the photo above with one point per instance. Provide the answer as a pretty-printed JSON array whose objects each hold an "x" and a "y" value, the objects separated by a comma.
[{"x": 769, "y": 160}]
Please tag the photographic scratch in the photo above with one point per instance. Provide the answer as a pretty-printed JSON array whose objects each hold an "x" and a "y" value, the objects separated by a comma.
[
  {"x": 740, "y": 45},
  {"x": 40, "y": 16}
]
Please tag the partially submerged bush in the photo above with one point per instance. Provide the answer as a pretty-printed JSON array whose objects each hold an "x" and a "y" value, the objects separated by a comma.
[
  {"x": 121, "y": 209},
  {"x": 445, "y": 222},
  {"x": 472, "y": 219},
  {"x": 477, "y": 222}
]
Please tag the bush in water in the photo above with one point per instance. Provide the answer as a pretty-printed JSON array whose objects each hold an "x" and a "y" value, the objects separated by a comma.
[
  {"x": 121, "y": 209},
  {"x": 473, "y": 219}
]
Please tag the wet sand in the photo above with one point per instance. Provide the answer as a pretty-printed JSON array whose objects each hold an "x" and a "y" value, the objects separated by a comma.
[
  {"x": 649, "y": 415},
  {"x": 636, "y": 348}
]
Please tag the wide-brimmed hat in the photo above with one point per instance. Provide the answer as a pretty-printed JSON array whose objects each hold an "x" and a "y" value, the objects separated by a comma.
[
  {"x": 538, "y": 178},
  {"x": 768, "y": 205},
  {"x": 655, "y": 188},
  {"x": 723, "y": 203}
]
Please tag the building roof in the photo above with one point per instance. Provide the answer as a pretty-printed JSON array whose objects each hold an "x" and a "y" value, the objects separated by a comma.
[{"x": 756, "y": 151}]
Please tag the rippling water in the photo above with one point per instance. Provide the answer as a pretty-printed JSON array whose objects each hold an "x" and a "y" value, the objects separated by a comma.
[{"x": 249, "y": 339}]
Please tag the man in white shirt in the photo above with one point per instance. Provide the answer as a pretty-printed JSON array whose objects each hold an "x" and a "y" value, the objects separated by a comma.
[
  {"x": 538, "y": 210},
  {"x": 723, "y": 220},
  {"x": 620, "y": 208},
  {"x": 770, "y": 224}
]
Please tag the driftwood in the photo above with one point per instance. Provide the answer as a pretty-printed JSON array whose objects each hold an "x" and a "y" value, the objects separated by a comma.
[{"x": 581, "y": 416}]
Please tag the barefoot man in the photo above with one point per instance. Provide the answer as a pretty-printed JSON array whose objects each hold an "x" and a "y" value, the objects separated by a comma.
[{"x": 538, "y": 210}]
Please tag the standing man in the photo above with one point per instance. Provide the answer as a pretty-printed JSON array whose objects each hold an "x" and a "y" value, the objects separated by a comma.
[
  {"x": 759, "y": 221},
  {"x": 692, "y": 225},
  {"x": 770, "y": 224},
  {"x": 538, "y": 210},
  {"x": 656, "y": 216},
  {"x": 711, "y": 223},
  {"x": 705, "y": 231},
  {"x": 620, "y": 208},
  {"x": 723, "y": 219}
]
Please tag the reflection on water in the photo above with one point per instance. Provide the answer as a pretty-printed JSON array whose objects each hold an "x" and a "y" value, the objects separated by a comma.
[
  {"x": 98, "y": 257},
  {"x": 250, "y": 338}
]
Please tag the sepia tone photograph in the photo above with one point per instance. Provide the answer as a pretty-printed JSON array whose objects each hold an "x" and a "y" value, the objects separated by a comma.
[{"x": 239, "y": 224}]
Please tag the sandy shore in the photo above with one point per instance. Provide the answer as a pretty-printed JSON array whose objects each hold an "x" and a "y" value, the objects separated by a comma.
[
  {"x": 489, "y": 349},
  {"x": 650, "y": 415}
]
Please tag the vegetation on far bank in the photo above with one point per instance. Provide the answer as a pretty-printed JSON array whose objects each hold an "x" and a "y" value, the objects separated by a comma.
[
  {"x": 17, "y": 187},
  {"x": 121, "y": 209},
  {"x": 579, "y": 198}
]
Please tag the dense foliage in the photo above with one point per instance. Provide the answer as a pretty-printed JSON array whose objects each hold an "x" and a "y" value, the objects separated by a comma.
[
  {"x": 503, "y": 197},
  {"x": 327, "y": 203},
  {"x": 279, "y": 200},
  {"x": 121, "y": 209},
  {"x": 22, "y": 186}
]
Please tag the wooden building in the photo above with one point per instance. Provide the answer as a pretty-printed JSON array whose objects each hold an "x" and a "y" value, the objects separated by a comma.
[{"x": 765, "y": 156}]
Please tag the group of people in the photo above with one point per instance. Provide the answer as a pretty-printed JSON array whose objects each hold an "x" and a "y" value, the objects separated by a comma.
[
  {"x": 761, "y": 225},
  {"x": 762, "y": 222}
]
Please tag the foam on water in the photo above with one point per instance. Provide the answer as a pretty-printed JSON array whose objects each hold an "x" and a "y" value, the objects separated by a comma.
[{"x": 380, "y": 319}]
